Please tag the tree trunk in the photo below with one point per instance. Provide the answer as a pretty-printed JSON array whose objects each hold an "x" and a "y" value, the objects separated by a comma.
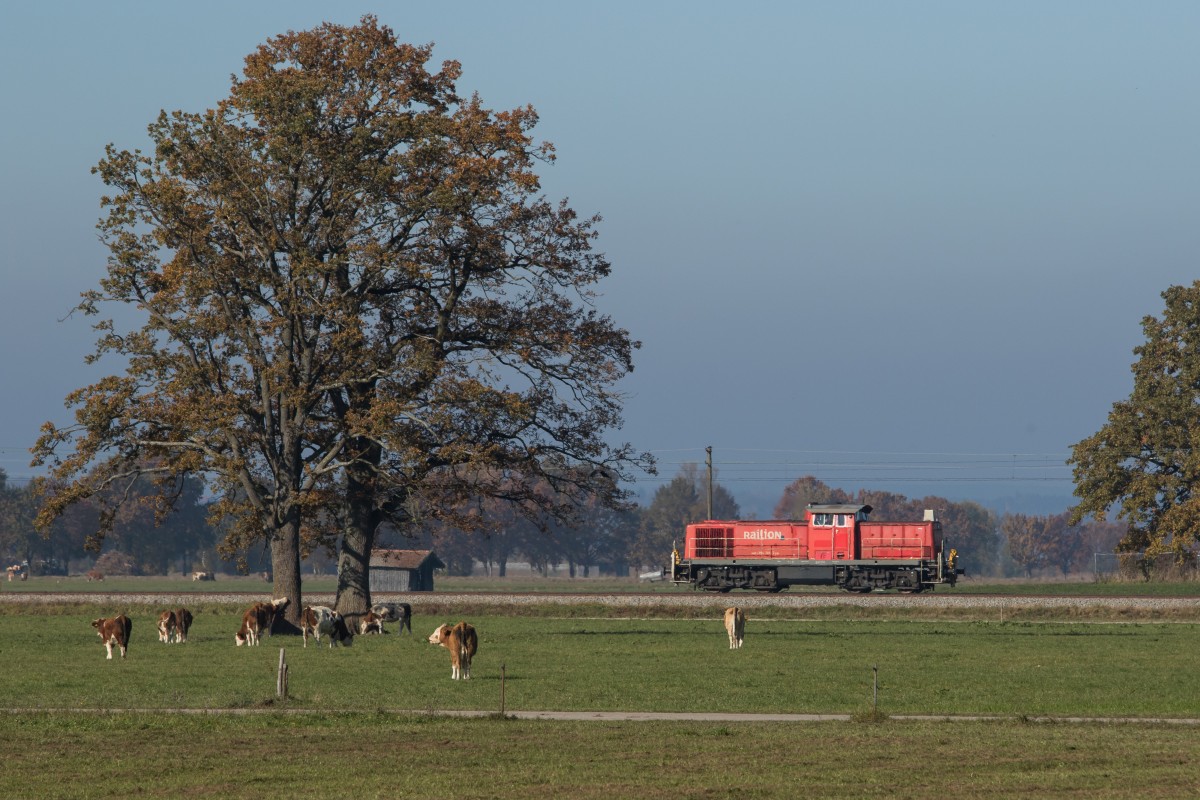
[
  {"x": 354, "y": 558},
  {"x": 354, "y": 577},
  {"x": 285, "y": 570}
]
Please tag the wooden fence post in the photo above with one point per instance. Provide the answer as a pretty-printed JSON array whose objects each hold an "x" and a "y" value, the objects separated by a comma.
[{"x": 281, "y": 681}]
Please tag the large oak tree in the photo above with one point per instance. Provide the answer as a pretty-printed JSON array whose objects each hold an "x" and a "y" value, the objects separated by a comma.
[
  {"x": 1144, "y": 462},
  {"x": 359, "y": 308}
]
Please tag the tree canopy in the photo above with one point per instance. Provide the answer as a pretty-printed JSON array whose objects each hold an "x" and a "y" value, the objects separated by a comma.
[
  {"x": 359, "y": 309},
  {"x": 1144, "y": 462},
  {"x": 676, "y": 504}
]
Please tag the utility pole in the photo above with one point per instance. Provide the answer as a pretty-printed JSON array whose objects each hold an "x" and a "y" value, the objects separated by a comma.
[{"x": 708, "y": 461}]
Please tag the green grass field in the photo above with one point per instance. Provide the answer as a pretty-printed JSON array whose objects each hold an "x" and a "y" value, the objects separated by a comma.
[
  {"x": 55, "y": 660},
  {"x": 399, "y": 756},
  {"x": 358, "y": 720}
]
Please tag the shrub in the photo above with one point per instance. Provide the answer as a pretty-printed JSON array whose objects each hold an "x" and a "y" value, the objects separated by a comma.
[{"x": 115, "y": 562}]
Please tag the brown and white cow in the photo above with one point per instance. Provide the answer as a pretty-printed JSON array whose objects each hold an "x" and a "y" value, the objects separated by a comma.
[
  {"x": 167, "y": 627},
  {"x": 371, "y": 623},
  {"x": 394, "y": 612},
  {"x": 258, "y": 619},
  {"x": 319, "y": 620},
  {"x": 95, "y": 575},
  {"x": 735, "y": 626},
  {"x": 114, "y": 631},
  {"x": 173, "y": 626},
  {"x": 462, "y": 642},
  {"x": 183, "y": 623}
]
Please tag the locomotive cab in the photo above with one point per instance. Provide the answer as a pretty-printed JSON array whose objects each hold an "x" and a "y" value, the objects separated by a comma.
[{"x": 833, "y": 530}]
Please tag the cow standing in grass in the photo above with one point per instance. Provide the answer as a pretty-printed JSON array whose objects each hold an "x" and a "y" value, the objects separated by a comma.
[
  {"x": 462, "y": 642},
  {"x": 114, "y": 631},
  {"x": 173, "y": 625},
  {"x": 183, "y": 623},
  {"x": 318, "y": 620},
  {"x": 167, "y": 627},
  {"x": 394, "y": 612},
  {"x": 257, "y": 619},
  {"x": 735, "y": 626},
  {"x": 371, "y": 623}
]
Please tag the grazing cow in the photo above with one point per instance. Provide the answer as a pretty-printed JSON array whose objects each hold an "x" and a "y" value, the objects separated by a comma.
[
  {"x": 319, "y": 620},
  {"x": 94, "y": 575},
  {"x": 394, "y": 612},
  {"x": 203, "y": 576},
  {"x": 462, "y": 643},
  {"x": 371, "y": 623},
  {"x": 257, "y": 619},
  {"x": 114, "y": 631},
  {"x": 735, "y": 626},
  {"x": 183, "y": 623},
  {"x": 167, "y": 627}
]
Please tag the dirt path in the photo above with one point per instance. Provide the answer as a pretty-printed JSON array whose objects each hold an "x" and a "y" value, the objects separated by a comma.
[{"x": 625, "y": 716}]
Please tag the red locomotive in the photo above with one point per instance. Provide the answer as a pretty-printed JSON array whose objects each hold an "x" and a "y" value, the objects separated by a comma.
[{"x": 834, "y": 545}]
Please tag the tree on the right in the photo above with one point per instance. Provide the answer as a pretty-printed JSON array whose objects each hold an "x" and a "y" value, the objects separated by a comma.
[{"x": 1144, "y": 463}]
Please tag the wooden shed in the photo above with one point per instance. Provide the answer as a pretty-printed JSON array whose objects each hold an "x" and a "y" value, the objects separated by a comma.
[{"x": 403, "y": 570}]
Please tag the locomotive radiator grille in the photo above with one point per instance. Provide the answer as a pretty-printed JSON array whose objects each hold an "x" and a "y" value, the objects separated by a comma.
[{"x": 714, "y": 542}]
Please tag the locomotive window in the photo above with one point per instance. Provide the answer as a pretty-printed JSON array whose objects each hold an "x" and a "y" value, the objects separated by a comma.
[
  {"x": 841, "y": 520},
  {"x": 822, "y": 519}
]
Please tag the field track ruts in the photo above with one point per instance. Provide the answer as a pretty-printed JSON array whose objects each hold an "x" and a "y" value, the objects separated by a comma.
[{"x": 798, "y": 600}]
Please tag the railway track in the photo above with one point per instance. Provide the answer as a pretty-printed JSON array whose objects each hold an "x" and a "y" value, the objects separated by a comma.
[{"x": 797, "y": 600}]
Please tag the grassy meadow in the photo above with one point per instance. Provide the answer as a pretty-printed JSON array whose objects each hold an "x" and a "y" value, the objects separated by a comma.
[
  {"x": 788, "y": 665},
  {"x": 365, "y": 756},
  {"x": 363, "y": 720}
]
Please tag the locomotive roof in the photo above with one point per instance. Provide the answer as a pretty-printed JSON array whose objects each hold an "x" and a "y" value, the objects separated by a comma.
[{"x": 839, "y": 508}]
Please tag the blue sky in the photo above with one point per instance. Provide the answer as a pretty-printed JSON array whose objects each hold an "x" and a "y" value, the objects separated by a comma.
[{"x": 904, "y": 246}]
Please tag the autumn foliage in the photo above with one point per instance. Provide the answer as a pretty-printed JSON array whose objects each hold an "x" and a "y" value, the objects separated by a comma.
[{"x": 358, "y": 310}]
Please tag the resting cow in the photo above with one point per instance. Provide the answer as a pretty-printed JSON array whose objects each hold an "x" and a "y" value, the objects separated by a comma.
[
  {"x": 318, "y": 620},
  {"x": 114, "y": 631},
  {"x": 257, "y": 619},
  {"x": 735, "y": 626},
  {"x": 394, "y": 612},
  {"x": 462, "y": 643}
]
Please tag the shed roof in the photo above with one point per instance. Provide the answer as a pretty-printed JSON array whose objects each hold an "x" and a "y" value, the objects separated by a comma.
[{"x": 405, "y": 559}]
